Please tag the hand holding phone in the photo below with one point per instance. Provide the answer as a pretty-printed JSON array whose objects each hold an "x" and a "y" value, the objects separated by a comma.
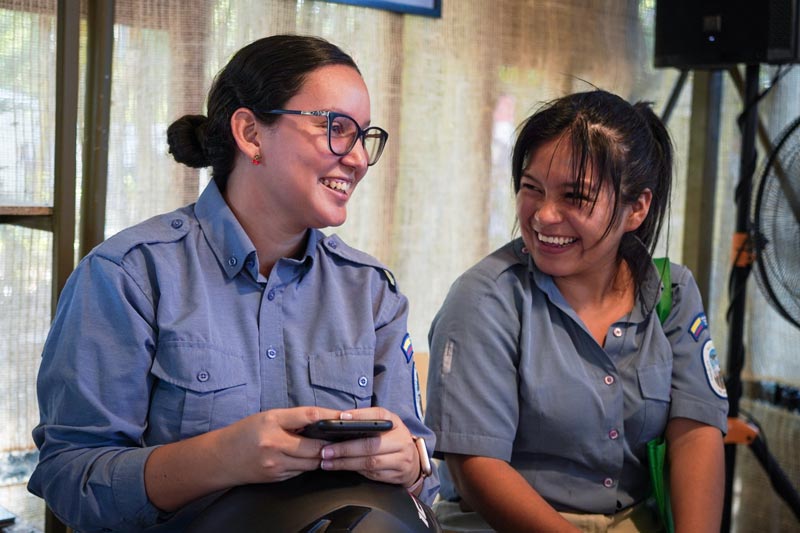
[{"x": 336, "y": 430}]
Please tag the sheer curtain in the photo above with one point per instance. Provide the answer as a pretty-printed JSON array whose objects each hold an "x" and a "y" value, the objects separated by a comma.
[
  {"x": 449, "y": 90},
  {"x": 27, "y": 109}
]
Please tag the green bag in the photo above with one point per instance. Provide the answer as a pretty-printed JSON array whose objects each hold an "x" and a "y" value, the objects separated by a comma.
[
  {"x": 657, "y": 456},
  {"x": 657, "y": 448}
]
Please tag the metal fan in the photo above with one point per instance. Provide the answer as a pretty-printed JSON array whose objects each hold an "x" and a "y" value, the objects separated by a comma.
[{"x": 775, "y": 230}]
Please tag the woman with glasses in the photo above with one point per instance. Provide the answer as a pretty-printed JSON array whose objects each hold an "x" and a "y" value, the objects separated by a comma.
[{"x": 189, "y": 352}]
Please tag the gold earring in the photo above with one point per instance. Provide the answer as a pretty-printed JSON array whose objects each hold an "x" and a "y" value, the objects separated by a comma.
[{"x": 257, "y": 159}]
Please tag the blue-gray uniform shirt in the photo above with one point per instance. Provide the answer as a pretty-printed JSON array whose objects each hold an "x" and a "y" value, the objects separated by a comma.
[
  {"x": 167, "y": 330},
  {"x": 515, "y": 375}
]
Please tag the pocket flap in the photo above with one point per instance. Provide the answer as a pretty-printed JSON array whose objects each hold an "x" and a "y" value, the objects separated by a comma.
[
  {"x": 349, "y": 371},
  {"x": 655, "y": 382},
  {"x": 198, "y": 367}
]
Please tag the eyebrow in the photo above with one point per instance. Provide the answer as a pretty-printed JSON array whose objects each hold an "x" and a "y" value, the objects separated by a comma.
[
  {"x": 568, "y": 185},
  {"x": 339, "y": 111}
]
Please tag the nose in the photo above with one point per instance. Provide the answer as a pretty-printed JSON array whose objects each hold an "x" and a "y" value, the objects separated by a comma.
[
  {"x": 357, "y": 157},
  {"x": 547, "y": 213}
]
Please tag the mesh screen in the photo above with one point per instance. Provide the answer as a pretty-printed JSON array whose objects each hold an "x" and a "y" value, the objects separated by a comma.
[
  {"x": 753, "y": 510},
  {"x": 27, "y": 126},
  {"x": 450, "y": 91}
]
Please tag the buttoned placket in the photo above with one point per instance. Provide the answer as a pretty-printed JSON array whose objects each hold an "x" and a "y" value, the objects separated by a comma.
[
  {"x": 616, "y": 350},
  {"x": 271, "y": 345}
]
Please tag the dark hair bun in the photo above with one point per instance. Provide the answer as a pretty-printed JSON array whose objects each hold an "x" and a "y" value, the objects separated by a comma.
[{"x": 185, "y": 137}]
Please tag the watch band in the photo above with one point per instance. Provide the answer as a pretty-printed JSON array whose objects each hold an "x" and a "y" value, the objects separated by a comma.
[
  {"x": 424, "y": 464},
  {"x": 424, "y": 460}
]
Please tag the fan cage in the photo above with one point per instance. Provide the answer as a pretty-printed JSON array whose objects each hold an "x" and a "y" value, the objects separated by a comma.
[{"x": 776, "y": 226}]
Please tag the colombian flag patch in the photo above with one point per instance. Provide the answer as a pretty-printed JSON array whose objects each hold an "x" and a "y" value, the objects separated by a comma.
[
  {"x": 407, "y": 347},
  {"x": 699, "y": 325}
]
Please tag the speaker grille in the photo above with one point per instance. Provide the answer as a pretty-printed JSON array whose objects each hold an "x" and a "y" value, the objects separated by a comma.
[{"x": 721, "y": 33}]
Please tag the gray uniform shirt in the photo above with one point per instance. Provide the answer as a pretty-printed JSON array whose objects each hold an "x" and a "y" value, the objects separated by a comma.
[
  {"x": 167, "y": 330},
  {"x": 515, "y": 375}
]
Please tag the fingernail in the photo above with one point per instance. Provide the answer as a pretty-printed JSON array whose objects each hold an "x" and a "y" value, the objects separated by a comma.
[
  {"x": 325, "y": 465},
  {"x": 327, "y": 453},
  {"x": 346, "y": 416}
]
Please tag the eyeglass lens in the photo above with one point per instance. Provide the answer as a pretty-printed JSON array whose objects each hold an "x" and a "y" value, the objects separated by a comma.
[{"x": 344, "y": 133}]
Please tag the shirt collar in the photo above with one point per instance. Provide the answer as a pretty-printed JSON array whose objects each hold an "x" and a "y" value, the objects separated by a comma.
[
  {"x": 230, "y": 243},
  {"x": 232, "y": 247},
  {"x": 648, "y": 294}
]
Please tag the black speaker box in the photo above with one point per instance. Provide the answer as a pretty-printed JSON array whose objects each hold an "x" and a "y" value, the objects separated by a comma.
[{"x": 713, "y": 34}]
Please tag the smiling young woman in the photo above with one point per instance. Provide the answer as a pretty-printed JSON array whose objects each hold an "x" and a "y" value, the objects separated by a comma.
[
  {"x": 554, "y": 341},
  {"x": 186, "y": 340}
]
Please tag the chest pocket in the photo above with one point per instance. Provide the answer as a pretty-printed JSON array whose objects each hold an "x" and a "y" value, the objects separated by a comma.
[
  {"x": 342, "y": 379},
  {"x": 199, "y": 388},
  {"x": 655, "y": 385}
]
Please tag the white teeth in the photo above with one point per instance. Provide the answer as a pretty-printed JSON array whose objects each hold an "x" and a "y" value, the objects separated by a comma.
[
  {"x": 336, "y": 185},
  {"x": 560, "y": 241}
]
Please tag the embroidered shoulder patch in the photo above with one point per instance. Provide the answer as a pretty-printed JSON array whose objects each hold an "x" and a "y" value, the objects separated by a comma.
[
  {"x": 698, "y": 326},
  {"x": 407, "y": 347},
  {"x": 713, "y": 372}
]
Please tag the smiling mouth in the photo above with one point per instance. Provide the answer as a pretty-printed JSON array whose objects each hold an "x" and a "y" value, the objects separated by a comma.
[
  {"x": 336, "y": 185},
  {"x": 555, "y": 241}
]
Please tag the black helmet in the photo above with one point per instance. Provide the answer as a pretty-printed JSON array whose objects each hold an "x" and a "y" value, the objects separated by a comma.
[{"x": 318, "y": 502}]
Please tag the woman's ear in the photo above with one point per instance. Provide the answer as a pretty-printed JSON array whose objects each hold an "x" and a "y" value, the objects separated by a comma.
[
  {"x": 244, "y": 127},
  {"x": 638, "y": 210}
]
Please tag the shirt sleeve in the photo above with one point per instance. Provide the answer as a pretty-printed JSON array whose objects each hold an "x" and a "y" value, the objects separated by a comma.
[
  {"x": 698, "y": 390},
  {"x": 473, "y": 402},
  {"x": 396, "y": 386},
  {"x": 93, "y": 388}
]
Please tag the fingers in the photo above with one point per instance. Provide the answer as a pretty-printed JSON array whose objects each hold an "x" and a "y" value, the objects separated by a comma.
[
  {"x": 391, "y": 458},
  {"x": 288, "y": 467},
  {"x": 389, "y": 468},
  {"x": 296, "y": 418},
  {"x": 282, "y": 453},
  {"x": 370, "y": 413},
  {"x": 396, "y": 440}
]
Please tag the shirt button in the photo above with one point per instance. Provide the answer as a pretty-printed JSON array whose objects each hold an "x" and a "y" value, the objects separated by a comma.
[
  {"x": 203, "y": 376},
  {"x": 333, "y": 244},
  {"x": 271, "y": 295},
  {"x": 608, "y": 380},
  {"x": 613, "y": 434},
  {"x": 362, "y": 381},
  {"x": 271, "y": 353},
  {"x": 608, "y": 482},
  {"x": 232, "y": 261},
  {"x": 618, "y": 332},
  {"x": 177, "y": 223},
  {"x": 524, "y": 250}
]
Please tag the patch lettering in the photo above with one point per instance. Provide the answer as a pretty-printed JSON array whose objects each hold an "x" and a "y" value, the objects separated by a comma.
[
  {"x": 713, "y": 371},
  {"x": 698, "y": 326}
]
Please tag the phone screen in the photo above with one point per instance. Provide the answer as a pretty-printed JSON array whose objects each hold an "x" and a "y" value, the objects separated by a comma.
[{"x": 338, "y": 430}]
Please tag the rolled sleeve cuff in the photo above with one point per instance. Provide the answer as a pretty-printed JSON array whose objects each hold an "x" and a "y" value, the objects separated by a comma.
[
  {"x": 430, "y": 488},
  {"x": 687, "y": 406},
  {"x": 129, "y": 491},
  {"x": 471, "y": 444}
]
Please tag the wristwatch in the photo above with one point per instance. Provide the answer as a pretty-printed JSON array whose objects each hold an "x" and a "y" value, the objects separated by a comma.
[
  {"x": 425, "y": 469},
  {"x": 424, "y": 460}
]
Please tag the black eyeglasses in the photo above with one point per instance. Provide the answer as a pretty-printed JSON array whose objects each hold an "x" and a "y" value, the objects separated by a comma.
[{"x": 344, "y": 132}]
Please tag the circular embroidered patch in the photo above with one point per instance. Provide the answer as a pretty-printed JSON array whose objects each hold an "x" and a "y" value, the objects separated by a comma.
[{"x": 713, "y": 371}]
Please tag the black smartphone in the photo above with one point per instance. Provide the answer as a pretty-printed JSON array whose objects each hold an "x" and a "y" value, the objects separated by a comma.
[{"x": 337, "y": 430}]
